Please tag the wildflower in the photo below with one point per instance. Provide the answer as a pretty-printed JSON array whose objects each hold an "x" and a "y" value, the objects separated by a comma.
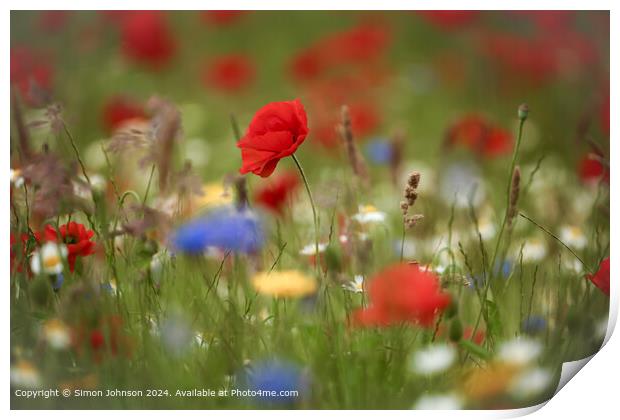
[
  {"x": 477, "y": 338},
  {"x": 147, "y": 39},
  {"x": 356, "y": 285},
  {"x": 380, "y": 151},
  {"x": 289, "y": 283},
  {"x": 461, "y": 184},
  {"x": 519, "y": 351},
  {"x": 534, "y": 250},
  {"x": 531, "y": 382},
  {"x": 56, "y": 334},
  {"x": 272, "y": 381},
  {"x": 573, "y": 236},
  {"x": 433, "y": 359},
  {"x": 32, "y": 73},
  {"x": 486, "y": 228},
  {"x": 119, "y": 111},
  {"x": 25, "y": 374},
  {"x": 480, "y": 136},
  {"x": 275, "y": 194},
  {"x": 48, "y": 258},
  {"x": 449, "y": 19},
  {"x": 75, "y": 237},
  {"x": 601, "y": 277},
  {"x": 225, "y": 229},
  {"x": 368, "y": 215},
  {"x": 450, "y": 401},
  {"x": 489, "y": 382},
  {"x": 17, "y": 179},
  {"x": 214, "y": 194},
  {"x": 229, "y": 73},
  {"x": 276, "y": 131},
  {"x": 410, "y": 196},
  {"x": 534, "y": 324},
  {"x": 310, "y": 249},
  {"x": 403, "y": 293},
  {"x": 23, "y": 239}
]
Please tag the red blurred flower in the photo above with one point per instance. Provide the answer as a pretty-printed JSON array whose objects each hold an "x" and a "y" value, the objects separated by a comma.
[
  {"x": 601, "y": 277},
  {"x": 359, "y": 45},
  {"x": 147, "y": 39},
  {"x": 24, "y": 240},
  {"x": 230, "y": 73},
  {"x": 75, "y": 236},
  {"x": 480, "y": 136},
  {"x": 276, "y": 131},
  {"x": 31, "y": 73},
  {"x": 403, "y": 293},
  {"x": 222, "y": 17},
  {"x": 449, "y": 19},
  {"x": 275, "y": 194},
  {"x": 591, "y": 169},
  {"x": 478, "y": 338},
  {"x": 118, "y": 110}
]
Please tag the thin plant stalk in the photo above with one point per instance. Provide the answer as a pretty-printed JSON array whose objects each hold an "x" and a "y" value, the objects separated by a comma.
[{"x": 314, "y": 214}]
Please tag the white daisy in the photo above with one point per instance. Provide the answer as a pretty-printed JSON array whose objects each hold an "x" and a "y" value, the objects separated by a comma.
[
  {"x": 56, "y": 334},
  {"x": 520, "y": 351},
  {"x": 449, "y": 401},
  {"x": 24, "y": 374},
  {"x": 356, "y": 285},
  {"x": 433, "y": 359},
  {"x": 534, "y": 250},
  {"x": 48, "y": 258},
  {"x": 16, "y": 178},
  {"x": 573, "y": 236}
]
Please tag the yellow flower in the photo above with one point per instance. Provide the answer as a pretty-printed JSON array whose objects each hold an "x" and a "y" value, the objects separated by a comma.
[
  {"x": 489, "y": 382},
  {"x": 213, "y": 195},
  {"x": 289, "y": 283}
]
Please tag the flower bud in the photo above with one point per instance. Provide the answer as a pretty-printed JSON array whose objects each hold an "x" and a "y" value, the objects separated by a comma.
[{"x": 524, "y": 110}]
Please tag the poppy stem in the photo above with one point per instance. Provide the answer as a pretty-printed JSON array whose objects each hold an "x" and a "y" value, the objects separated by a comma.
[{"x": 314, "y": 215}]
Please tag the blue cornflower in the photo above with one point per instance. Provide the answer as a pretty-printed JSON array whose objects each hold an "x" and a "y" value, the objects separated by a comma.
[
  {"x": 380, "y": 151},
  {"x": 58, "y": 281},
  {"x": 237, "y": 231},
  {"x": 534, "y": 324},
  {"x": 275, "y": 379}
]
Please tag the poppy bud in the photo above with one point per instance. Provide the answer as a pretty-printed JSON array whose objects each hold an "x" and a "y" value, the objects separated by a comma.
[
  {"x": 456, "y": 330},
  {"x": 524, "y": 110}
]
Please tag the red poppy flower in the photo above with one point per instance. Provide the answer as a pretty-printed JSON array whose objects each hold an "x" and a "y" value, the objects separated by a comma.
[
  {"x": 75, "y": 236},
  {"x": 276, "y": 131},
  {"x": 230, "y": 73},
  {"x": 118, "y": 110},
  {"x": 275, "y": 194},
  {"x": 591, "y": 169},
  {"x": 601, "y": 277},
  {"x": 222, "y": 17},
  {"x": 480, "y": 136},
  {"x": 31, "y": 73},
  {"x": 403, "y": 293},
  {"x": 147, "y": 39},
  {"x": 308, "y": 65},
  {"x": 478, "y": 338}
]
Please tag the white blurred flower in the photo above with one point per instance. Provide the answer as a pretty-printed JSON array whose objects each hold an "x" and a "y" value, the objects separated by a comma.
[
  {"x": 520, "y": 351},
  {"x": 462, "y": 184},
  {"x": 310, "y": 249},
  {"x": 534, "y": 250},
  {"x": 573, "y": 236},
  {"x": 16, "y": 178},
  {"x": 356, "y": 285},
  {"x": 56, "y": 334},
  {"x": 433, "y": 359},
  {"x": 48, "y": 258},
  {"x": 156, "y": 266},
  {"x": 24, "y": 374},
  {"x": 176, "y": 335},
  {"x": 197, "y": 150},
  {"x": 531, "y": 382},
  {"x": 369, "y": 214},
  {"x": 449, "y": 401},
  {"x": 486, "y": 227}
]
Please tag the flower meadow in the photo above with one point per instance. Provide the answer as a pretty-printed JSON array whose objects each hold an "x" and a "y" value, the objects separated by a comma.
[{"x": 306, "y": 210}]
